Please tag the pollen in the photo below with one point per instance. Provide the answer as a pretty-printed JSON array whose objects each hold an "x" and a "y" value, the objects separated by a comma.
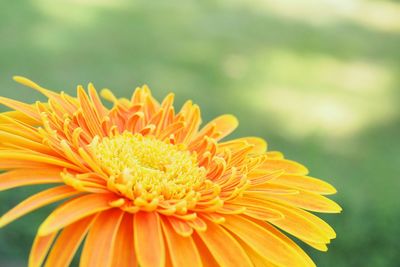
[{"x": 142, "y": 165}]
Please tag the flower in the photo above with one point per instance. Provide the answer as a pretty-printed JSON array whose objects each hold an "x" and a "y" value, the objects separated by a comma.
[{"x": 146, "y": 185}]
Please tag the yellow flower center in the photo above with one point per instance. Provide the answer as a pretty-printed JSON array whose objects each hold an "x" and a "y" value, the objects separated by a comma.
[{"x": 145, "y": 165}]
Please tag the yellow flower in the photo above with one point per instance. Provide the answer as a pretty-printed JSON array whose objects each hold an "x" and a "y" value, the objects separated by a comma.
[{"x": 148, "y": 186}]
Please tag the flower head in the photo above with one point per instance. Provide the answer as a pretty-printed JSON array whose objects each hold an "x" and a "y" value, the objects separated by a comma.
[{"x": 149, "y": 186}]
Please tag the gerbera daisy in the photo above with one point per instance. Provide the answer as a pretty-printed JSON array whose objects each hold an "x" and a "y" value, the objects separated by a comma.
[{"x": 145, "y": 185}]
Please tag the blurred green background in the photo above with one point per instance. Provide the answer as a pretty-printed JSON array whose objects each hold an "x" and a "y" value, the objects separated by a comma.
[{"x": 318, "y": 79}]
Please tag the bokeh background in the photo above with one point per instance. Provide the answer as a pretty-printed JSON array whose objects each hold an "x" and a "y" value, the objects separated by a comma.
[{"x": 320, "y": 80}]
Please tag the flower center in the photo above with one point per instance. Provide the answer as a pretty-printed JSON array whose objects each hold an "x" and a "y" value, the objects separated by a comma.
[{"x": 147, "y": 165}]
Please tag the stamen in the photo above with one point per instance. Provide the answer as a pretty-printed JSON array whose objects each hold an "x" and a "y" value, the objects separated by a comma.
[{"x": 148, "y": 168}]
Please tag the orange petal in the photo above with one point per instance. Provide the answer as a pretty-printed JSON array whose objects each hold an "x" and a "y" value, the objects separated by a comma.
[
  {"x": 306, "y": 183},
  {"x": 74, "y": 210},
  {"x": 206, "y": 257},
  {"x": 40, "y": 247},
  {"x": 99, "y": 244},
  {"x": 224, "y": 247},
  {"x": 25, "y": 177},
  {"x": 36, "y": 201},
  {"x": 149, "y": 243},
  {"x": 224, "y": 125},
  {"x": 68, "y": 242},
  {"x": 182, "y": 250},
  {"x": 124, "y": 249},
  {"x": 25, "y": 156},
  {"x": 91, "y": 117},
  {"x": 181, "y": 227},
  {"x": 100, "y": 108},
  {"x": 264, "y": 242}
]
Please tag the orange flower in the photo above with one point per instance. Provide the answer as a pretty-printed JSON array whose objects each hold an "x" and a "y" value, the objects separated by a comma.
[{"x": 147, "y": 186}]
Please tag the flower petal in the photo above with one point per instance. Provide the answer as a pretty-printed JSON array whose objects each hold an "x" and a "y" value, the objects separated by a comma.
[
  {"x": 36, "y": 201},
  {"x": 99, "y": 244},
  {"x": 74, "y": 210},
  {"x": 17, "y": 116},
  {"x": 68, "y": 242},
  {"x": 124, "y": 248},
  {"x": 206, "y": 257},
  {"x": 306, "y": 183},
  {"x": 23, "y": 177},
  {"x": 288, "y": 166},
  {"x": 296, "y": 224},
  {"x": 223, "y": 126},
  {"x": 25, "y": 156},
  {"x": 182, "y": 250},
  {"x": 26, "y": 109},
  {"x": 40, "y": 247},
  {"x": 305, "y": 200},
  {"x": 257, "y": 259},
  {"x": 264, "y": 242},
  {"x": 181, "y": 227},
  {"x": 223, "y": 246},
  {"x": 300, "y": 252},
  {"x": 149, "y": 243}
]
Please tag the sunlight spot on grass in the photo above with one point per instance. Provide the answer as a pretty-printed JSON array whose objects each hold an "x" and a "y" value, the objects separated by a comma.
[
  {"x": 235, "y": 66},
  {"x": 378, "y": 15},
  {"x": 322, "y": 95},
  {"x": 57, "y": 11}
]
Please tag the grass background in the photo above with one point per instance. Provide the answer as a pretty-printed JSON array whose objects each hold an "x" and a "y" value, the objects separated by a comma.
[{"x": 318, "y": 80}]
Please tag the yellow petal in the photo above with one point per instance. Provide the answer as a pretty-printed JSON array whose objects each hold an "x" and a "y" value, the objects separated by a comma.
[
  {"x": 264, "y": 242},
  {"x": 99, "y": 244},
  {"x": 300, "y": 252},
  {"x": 275, "y": 155},
  {"x": 17, "y": 115},
  {"x": 306, "y": 183},
  {"x": 149, "y": 243},
  {"x": 257, "y": 259},
  {"x": 9, "y": 140},
  {"x": 298, "y": 225},
  {"x": 305, "y": 200},
  {"x": 319, "y": 246},
  {"x": 288, "y": 166},
  {"x": 26, "y": 109},
  {"x": 36, "y": 201}
]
